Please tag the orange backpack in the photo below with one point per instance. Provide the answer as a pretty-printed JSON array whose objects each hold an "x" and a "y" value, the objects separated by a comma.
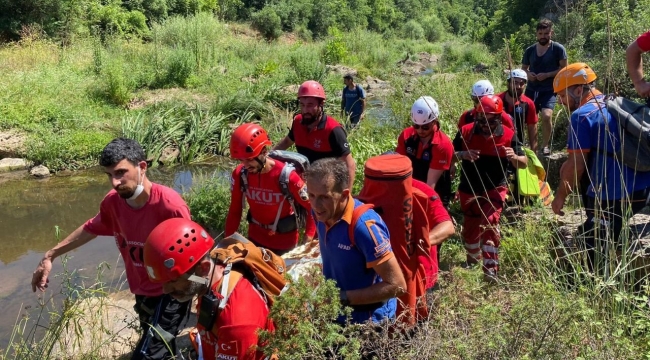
[
  {"x": 387, "y": 186},
  {"x": 262, "y": 267}
]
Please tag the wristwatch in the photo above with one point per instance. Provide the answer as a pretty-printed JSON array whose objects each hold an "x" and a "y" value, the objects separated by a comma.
[{"x": 343, "y": 297}]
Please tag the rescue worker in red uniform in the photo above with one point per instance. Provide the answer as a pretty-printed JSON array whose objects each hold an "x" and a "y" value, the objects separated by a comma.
[
  {"x": 315, "y": 134},
  {"x": 429, "y": 149},
  {"x": 186, "y": 270},
  {"x": 271, "y": 219},
  {"x": 520, "y": 107},
  {"x": 485, "y": 148},
  {"x": 480, "y": 89},
  {"x": 440, "y": 229}
]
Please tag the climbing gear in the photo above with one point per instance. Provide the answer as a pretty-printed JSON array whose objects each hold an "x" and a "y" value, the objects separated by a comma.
[
  {"x": 490, "y": 104},
  {"x": 574, "y": 74},
  {"x": 173, "y": 248},
  {"x": 482, "y": 88},
  {"x": 247, "y": 141},
  {"x": 311, "y": 88},
  {"x": 424, "y": 110}
]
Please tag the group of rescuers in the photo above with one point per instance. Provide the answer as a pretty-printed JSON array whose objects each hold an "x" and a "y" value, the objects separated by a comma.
[{"x": 147, "y": 219}]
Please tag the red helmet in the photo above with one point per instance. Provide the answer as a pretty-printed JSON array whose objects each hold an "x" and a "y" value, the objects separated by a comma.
[
  {"x": 490, "y": 104},
  {"x": 247, "y": 141},
  {"x": 174, "y": 247},
  {"x": 311, "y": 88}
]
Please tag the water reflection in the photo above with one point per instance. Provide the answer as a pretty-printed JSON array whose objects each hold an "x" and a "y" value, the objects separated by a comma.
[{"x": 31, "y": 210}]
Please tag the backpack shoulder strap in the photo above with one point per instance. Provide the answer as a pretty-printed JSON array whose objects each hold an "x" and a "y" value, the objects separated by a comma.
[
  {"x": 243, "y": 181},
  {"x": 359, "y": 92},
  {"x": 285, "y": 174},
  {"x": 356, "y": 214}
]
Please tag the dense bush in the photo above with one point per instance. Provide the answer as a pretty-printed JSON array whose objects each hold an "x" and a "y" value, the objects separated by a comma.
[{"x": 267, "y": 22}]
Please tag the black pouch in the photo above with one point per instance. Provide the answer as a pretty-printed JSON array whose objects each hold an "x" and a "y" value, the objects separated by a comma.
[
  {"x": 287, "y": 224},
  {"x": 208, "y": 310}
]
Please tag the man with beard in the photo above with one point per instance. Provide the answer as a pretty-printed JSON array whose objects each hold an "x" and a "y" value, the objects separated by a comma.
[
  {"x": 428, "y": 148},
  {"x": 520, "y": 107},
  {"x": 542, "y": 61},
  {"x": 188, "y": 270},
  {"x": 129, "y": 212},
  {"x": 316, "y": 134},
  {"x": 611, "y": 191},
  {"x": 271, "y": 218},
  {"x": 485, "y": 148}
]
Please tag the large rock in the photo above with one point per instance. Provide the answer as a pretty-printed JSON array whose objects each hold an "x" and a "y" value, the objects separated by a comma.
[
  {"x": 169, "y": 156},
  {"x": 40, "y": 171},
  {"x": 377, "y": 87},
  {"x": 10, "y": 164},
  {"x": 341, "y": 70},
  {"x": 428, "y": 60},
  {"x": 412, "y": 68}
]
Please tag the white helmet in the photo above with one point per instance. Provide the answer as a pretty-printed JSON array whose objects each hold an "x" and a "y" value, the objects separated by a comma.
[
  {"x": 424, "y": 110},
  {"x": 517, "y": 74},
  {"x": 482, "y": 88}
]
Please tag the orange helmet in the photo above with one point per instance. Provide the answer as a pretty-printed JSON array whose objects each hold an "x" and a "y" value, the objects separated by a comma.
[
  {"x": 311, "y": 88},
  {"x": 490, "y": 104},
  {"x": 247, "y": 141},
  {"x": 173, "y": 248},
  {"x": 573, "y": 74}
]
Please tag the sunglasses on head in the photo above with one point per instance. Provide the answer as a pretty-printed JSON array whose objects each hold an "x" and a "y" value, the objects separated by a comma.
[{"x": 423, "y": 127}]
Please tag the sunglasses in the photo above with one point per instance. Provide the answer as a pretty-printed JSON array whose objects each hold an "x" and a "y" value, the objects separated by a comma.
[{"x": 423, "y": 127}]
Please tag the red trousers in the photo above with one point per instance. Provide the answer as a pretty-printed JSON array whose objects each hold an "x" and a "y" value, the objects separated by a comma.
[{"x": 481, "y": 225}]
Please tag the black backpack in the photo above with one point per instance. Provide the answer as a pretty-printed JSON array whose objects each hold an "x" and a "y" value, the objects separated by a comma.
[
  {"x": 633, "y": 121},
  {"x": 293, "y": 161}
]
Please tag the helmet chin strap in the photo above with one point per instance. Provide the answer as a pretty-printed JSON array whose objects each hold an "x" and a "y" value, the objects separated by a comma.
[{"x": 138, "y": 189}]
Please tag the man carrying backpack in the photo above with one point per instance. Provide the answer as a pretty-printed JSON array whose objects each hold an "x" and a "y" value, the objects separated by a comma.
[
  {"x": 611, "y": 191},
  {"x": 485, "y": 148},
  {"x": 231, "y": 309},
  {"x": 258, "y": 180},
  {"x": 364, "y": 268},
  {"x": 353, "y": 101}
]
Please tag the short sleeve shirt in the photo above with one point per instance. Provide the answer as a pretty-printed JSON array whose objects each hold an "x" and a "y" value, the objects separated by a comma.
[
  {"x": 644, "y": 41},
  {"x": 353, "y": 99},
  {"x": 351, "y": 266},
  {"x": 131, "y": 227},
  {"x": 548, "y": 62},
  {"x": 589, "y": 132},
  {"x": 328, "y": 139},
  {"x": 435, "y": 155}
]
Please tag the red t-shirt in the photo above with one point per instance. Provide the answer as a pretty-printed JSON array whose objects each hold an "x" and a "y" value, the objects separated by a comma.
[
  {"x": 237, "y": 325},
  {"x": 469, "y": 117},
  {"x": 264, "y": 197},
  {"x": 436, "y": 214},
  {"x": 131, "y": 227},
  {"x": 644, "y": 41}
]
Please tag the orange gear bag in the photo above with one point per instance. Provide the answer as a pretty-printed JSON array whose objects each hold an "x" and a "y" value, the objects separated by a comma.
[{"x": 387, "y": 186}]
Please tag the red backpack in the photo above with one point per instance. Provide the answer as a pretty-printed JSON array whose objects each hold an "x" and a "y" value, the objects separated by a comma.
[{"x": 387, "y": 188}]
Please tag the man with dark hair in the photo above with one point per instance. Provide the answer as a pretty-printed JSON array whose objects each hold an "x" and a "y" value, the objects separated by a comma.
[
  {"x": 317, "y": 135},
  {"x": 542, "y": 61},
  {"x": 367, "y": 271},
  {"x": 129, "y": 212},
  {"x": 353, "y": 101}
]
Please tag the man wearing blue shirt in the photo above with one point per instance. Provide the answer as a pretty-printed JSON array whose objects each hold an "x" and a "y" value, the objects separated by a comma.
[
  {"x": 353, "y": 101},
  {"x": 612, "y": 192},
  {"x": 367, "y": 271}
]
